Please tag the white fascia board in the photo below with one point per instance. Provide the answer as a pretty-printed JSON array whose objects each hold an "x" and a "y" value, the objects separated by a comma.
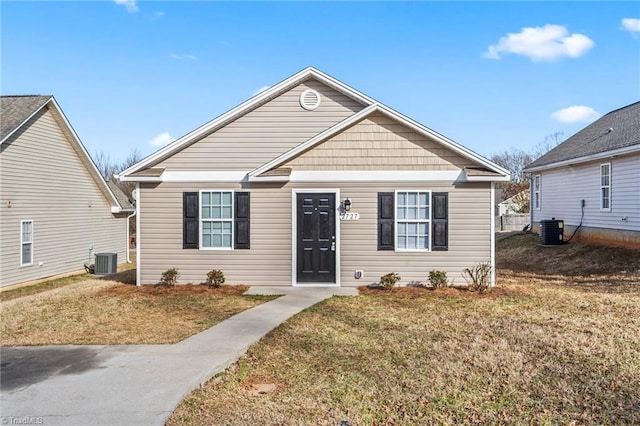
[
  {"x": 191, "y": 176},
  {"x": 283, "y": 179},
  {"x": 320, "y": 137},
  {"x": 243, "y": 108},
  {"x": 454, "y": 146},
  {"x": 599, "y": 156},
  {"x": 377, "y": 176},
  {"x": 487, "y": 178}
]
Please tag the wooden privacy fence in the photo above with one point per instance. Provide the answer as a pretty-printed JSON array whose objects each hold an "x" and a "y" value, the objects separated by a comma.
[{"x": 512, "y": 222}]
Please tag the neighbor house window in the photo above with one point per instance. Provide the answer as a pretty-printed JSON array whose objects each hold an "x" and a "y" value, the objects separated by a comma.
[
  {"x": 216, "y": 219},
  {"x": 413, "y": 220},
  {"x": 536, "y": 192},
  {"x": 605, "y": 186},
  {"x": 26, "y": 242}
]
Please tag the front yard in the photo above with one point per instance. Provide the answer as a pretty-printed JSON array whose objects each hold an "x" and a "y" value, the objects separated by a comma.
[{"x": 559, "y": 347}]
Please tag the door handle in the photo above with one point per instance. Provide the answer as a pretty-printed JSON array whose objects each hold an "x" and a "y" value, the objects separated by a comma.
[{"x": 333, "y": 246}]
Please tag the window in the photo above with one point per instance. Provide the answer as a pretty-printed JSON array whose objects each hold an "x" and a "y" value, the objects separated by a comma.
[
  {"x": 412, "y": 220},
  {"x": 605, "y": 186},
  {"x": 216, "y": 219},
  {"x": 26, "y": 242},
  {"x": 536, "y": 192}
]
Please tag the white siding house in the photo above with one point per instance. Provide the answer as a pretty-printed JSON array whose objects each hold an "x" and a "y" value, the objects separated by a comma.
[
  {"x": 592, "y": 181},
  {"x": 56, "y": 211}
]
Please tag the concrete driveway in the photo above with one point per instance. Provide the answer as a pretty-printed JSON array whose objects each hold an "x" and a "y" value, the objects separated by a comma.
[{"x": 134, "y": 384}]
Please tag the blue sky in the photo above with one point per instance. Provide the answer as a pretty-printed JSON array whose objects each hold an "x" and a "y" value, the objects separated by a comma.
[{"x": 490, "y": 75}]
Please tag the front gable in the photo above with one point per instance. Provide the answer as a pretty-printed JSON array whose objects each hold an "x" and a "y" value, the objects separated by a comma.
[
  {"x": 265, "y": 132},
  {"x": 379, "y": 142}
]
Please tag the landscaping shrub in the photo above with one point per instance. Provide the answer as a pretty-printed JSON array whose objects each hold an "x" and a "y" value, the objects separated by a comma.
[
  {"x": 169, "y": 278},
  {"x": 215, "y": 278},
  {"x": 389, "y": 280},
  {"x": 478, "y": 276},
  {"x": 438, "y": 279}
]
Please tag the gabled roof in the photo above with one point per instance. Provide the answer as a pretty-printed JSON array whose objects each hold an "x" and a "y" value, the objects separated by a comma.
[
  {"x": 15, "y": 112},
  {"x": 370, "y": 104},
  {"x": 617, "y": 132}
]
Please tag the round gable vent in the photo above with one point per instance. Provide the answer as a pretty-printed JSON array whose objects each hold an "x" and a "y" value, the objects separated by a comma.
[{"x": 310, "y": 99}]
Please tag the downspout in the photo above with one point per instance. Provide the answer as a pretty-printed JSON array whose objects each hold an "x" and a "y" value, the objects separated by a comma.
[
  {"x": 493, "y": 234},
  {"x": 531, "y": 201},
  {"x": 128, "y": 242}
]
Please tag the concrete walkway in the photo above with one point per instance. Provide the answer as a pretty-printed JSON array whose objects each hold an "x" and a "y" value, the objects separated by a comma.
[{"x": 135, "y": 384}]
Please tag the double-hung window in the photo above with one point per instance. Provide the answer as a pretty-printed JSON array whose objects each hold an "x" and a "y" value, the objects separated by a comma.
[
  {"x": 26, "y": 242},
  {"x": 216, "y": 219},
  {"x": 605, "y": 186},
  {"x": 536, "y": 192},
  {"x": 413, "y": 220}
]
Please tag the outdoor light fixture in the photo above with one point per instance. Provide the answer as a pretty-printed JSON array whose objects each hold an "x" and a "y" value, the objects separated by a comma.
[{"x": 346, "y": 204}]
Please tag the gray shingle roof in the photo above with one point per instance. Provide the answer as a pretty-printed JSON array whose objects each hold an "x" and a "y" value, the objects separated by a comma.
[
  {"x": 615, "y": 130},
  {"x": 123, "y": 200},
  {"x": 14, "y": 110}
]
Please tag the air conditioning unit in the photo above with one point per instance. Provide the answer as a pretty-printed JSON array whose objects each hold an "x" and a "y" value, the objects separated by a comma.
[{"x": 106, "y": 263}]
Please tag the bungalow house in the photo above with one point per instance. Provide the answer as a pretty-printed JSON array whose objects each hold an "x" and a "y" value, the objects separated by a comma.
[
  {"x": 56, "y": 211},
  {"x": 592, "y": 181},
  {"x": 312, "y": 182}
]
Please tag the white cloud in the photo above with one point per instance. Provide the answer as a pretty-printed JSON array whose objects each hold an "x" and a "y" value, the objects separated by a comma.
[
  {"x": 546, "y": 43},
  {"x": 130, "y": 5},
  {"x": 575, "y": 114},
  {"x": 161, "y": 140},
  {"x": 260, "y": 90},
  {"x": 632, "y": 25},
  {"x": 179, "y": 57},
  {"x": 158, "y": 14}
]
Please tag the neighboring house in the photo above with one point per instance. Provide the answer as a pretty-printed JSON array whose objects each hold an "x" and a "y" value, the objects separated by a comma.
[
  {"x": 56, "y": 211},
  {"x": 313, "y": 183},
  {"x": 514, "y": 205},
  {"x": 593, "y": 179}
]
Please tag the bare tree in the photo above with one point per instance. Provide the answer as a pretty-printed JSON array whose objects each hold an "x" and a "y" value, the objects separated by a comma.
[
  {"x": 516, "y": 160},
  {"x": 106, "y": 166}
]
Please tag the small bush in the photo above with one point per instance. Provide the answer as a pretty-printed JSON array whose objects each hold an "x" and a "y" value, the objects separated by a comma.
[
  {"x": 389, "y": 280},
  {"x": 478, "y": 276},
  {"x": 438, "y": 279},
  {"x": 215, "y": 278},
  {"x": 169, "y": 278}
]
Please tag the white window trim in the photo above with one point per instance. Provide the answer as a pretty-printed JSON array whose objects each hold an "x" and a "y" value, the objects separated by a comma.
[
  {"x": 395, "y": 221},
  {"x": 537, "y": 192},
  {"x": 22, "y": 242},
  {"x": 602, "y": 208},
  {"x": 232, "y": 220}
]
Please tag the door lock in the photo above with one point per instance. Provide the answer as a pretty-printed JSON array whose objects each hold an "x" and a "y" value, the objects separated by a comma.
[{"x": 333, "y": 246}]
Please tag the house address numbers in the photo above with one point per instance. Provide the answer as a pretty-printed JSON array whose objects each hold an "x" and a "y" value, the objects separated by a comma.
[{"x": 349, "y": 216}]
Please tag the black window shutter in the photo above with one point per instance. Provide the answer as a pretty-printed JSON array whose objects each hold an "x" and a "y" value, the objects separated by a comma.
[
  {"x": 440, "y": 219},
  {"x": 241, "y": 220},
  {"x": 190, "y": 220},
  {"x": 386, "y": 234}
]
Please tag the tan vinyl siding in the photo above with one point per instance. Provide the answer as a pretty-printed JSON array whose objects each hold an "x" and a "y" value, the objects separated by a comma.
[
  {"x": 264, "y": 133},
  {"x": 379, "y": 143},
  {"x": 45, "y": 181},
  {"x": 269, "y": 260}
]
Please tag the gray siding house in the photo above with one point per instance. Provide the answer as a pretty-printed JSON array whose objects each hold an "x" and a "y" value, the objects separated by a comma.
[
  {"x": 313, "y": 183},
  {"x": 593, "y": 179},
  {"x": 56, "y": 211}
]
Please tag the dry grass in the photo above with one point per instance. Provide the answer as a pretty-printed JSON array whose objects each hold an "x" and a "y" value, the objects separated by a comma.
[
  {"x": 108, "y": 312},
  {"x": 543, "y": 349},
  {"x": 126, "y": 274}
]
